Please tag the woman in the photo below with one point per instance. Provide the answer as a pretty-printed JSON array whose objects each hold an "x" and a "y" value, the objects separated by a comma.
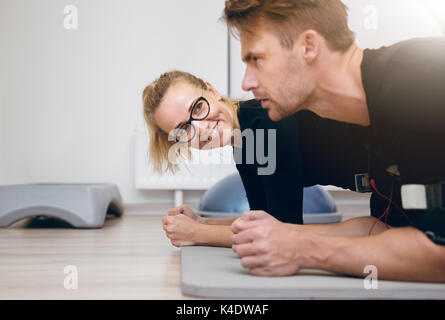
[{"x": 181, "y": 109}]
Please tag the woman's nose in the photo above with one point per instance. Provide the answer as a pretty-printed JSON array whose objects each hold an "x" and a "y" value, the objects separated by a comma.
[{"x": 201, "y": 126}]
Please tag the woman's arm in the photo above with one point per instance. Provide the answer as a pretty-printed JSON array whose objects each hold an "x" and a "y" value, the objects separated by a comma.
[
  {"x": 184, "y": 231},
  {"x": 217, "y": 221},
  {"x": 356, "y": 227},
  {"x": 185, "y": 228},
  {"x": 214, "y": 235},
  {"x": 283, "y": 189},
  {"x": 187, "y": 211}
]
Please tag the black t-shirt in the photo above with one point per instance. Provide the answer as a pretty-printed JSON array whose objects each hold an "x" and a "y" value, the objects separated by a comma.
[
  {"x": 405, "y": 91},
  {"x": 309, "y": 151}
]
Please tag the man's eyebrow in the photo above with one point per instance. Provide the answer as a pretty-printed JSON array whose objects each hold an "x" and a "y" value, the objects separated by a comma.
[{"x": 189, "y": 110}]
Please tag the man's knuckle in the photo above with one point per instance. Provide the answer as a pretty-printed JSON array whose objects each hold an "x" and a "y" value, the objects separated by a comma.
[
  {"x": 263, "y": 247},
  {"x": 244, "y": 262},
  {"x": 268, "y": 259},
  {"x": 258, "y": 232}
]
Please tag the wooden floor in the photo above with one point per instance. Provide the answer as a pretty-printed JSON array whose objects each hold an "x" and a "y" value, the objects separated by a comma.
[{"x": 129, "y": 258}]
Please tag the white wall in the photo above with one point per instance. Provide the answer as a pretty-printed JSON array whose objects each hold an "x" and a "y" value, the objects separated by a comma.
[
  {"x": 1, "y": 140},
  {"x": 70, "y": 100},
  {"x": 381, "y": 22}
]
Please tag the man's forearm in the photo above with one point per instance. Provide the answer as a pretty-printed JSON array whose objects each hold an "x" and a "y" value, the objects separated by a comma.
[{"x": 404, "y": 254}]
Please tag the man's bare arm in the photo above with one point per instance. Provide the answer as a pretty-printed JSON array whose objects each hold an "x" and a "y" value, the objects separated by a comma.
[
  {"x": 404, "y": 254},
  {"x": 271, "y": 248}
]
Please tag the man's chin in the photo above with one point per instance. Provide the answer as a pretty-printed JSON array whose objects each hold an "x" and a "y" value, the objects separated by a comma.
[{"x": 274, "y": 116}]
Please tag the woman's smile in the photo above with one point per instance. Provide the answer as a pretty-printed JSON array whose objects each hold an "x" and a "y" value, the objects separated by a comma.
[{"x": 212, "y": 134}]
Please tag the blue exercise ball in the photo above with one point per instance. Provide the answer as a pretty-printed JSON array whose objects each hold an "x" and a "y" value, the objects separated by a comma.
[{"x": 229, "y": 195}]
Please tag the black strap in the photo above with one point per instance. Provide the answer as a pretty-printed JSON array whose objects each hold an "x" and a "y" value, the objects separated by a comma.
[{"x": 435, "y": 194}]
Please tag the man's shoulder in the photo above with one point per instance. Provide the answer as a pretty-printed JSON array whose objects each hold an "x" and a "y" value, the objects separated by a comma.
[
  {"x": 412, "y": 51},
  {"x": 421, "y": 49},
  {"x": 405, "y": 96},
  {"x": 402, "y": 73}
]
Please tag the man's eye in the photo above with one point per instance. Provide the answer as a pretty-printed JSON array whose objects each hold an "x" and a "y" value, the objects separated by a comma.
[{"x": 255, "y": 60}]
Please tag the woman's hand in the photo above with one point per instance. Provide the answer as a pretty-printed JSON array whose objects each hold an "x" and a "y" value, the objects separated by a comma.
[
  {"x": 181, "y": 229},
  {"x": 187, "y": 211}
]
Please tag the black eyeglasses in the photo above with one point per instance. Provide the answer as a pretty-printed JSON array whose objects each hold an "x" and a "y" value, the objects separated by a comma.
[{"x": 187, "y": 131}]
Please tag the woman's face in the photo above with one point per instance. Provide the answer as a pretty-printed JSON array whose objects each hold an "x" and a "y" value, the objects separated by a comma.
[{"x": 213, "y": 132}]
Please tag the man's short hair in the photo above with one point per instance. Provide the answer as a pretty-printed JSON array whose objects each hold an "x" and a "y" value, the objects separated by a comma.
[{"x": 289, "y": 18}]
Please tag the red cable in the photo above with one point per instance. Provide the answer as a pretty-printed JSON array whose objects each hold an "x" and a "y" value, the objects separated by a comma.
[
  {"x": 386, "y": 212},
  {"x": 400, "y": 210},
  {"x": 391, "y": 201},
  {"x": 389, "y": 206}
]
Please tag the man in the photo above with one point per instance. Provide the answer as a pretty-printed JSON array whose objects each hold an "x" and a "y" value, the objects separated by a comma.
[{"x": 301, "y": 55}]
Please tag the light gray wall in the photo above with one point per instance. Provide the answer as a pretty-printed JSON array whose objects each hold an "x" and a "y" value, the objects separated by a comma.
[
  {"x": 71, "y": 99},
  {"x": 381, "y": 22},
  {"x": 1, "y": 140}
]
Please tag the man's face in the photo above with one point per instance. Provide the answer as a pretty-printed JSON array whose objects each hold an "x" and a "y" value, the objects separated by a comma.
[{"x": 276, "y": 75}]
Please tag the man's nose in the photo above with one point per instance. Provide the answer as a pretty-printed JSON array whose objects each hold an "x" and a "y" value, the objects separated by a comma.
[{"x": 249, "y": 81}]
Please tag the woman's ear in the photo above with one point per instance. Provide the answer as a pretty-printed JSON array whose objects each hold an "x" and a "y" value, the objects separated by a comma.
[{"x": 215, "y": 92}]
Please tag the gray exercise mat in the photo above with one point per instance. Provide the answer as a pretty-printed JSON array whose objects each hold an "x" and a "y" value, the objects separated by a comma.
[
  {"x": 214, "y": 272},
  {"x": 80, "y": 205}
]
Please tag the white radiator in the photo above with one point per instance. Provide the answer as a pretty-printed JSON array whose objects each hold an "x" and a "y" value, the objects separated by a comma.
[{"x": 205, "y": 169}]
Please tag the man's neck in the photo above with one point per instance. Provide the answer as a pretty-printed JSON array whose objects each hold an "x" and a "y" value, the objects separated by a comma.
[{"x": 339, "y": 94}]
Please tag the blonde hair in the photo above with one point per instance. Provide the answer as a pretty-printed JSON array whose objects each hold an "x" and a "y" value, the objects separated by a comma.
[
  {"x": 291, "y": 17},
  {"x": 152, "y": 97}
]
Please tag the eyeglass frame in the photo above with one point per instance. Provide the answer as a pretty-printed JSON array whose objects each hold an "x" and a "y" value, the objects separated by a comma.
[{"x": 189, "y": 122}]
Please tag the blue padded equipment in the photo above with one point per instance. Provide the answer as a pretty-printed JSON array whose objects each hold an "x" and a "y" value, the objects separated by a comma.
[
  {"x": 227, "y": 195},
  {"x": 227, "y": 199}
]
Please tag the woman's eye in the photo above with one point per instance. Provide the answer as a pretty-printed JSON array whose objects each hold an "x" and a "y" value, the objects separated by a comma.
[{"x": 197, "y": 109}]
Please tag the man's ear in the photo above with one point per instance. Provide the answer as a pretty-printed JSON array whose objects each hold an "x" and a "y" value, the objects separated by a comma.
[
  {"x": 215, "y": 92},
  {"x": 310, "y": 45}
]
